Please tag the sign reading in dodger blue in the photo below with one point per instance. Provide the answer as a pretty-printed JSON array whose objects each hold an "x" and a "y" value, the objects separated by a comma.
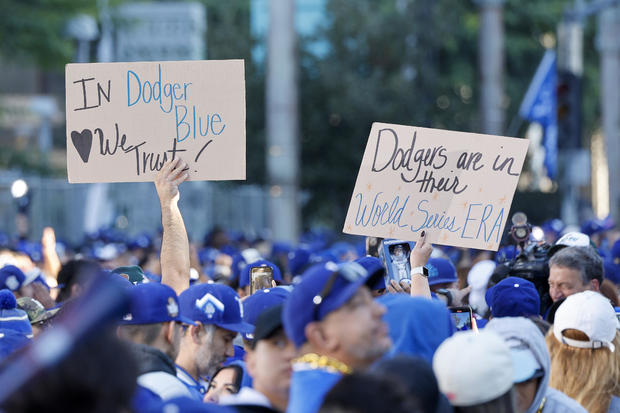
[
  {"x": 456, "y": 186},
  {"x": 125, "y": 120}
]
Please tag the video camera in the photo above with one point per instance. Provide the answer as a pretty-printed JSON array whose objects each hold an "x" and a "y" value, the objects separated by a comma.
[{"x": 531, "y": 263}]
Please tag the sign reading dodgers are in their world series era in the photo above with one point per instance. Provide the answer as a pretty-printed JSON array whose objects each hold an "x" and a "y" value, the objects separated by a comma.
[
  {"x": 456, "y": 186},
  {"x": 124, "y": 120}
]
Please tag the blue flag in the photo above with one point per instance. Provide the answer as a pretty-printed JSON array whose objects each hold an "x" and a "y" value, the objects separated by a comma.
[{"x": 540, "y": 105}]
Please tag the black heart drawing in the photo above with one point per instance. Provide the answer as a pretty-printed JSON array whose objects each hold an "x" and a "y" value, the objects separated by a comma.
[{"x": 82, "y": 142}]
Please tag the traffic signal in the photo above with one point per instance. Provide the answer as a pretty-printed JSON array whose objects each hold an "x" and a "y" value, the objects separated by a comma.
[{"x": 569, "y": 110}]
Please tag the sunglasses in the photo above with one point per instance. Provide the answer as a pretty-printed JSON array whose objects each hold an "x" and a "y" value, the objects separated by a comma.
[{"x": 350, "y": 271}]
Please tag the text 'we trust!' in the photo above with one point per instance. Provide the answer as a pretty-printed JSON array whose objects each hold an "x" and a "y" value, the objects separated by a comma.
[
  {"x": 456, "y": 186},
  {"x": 125, "y": 120}
]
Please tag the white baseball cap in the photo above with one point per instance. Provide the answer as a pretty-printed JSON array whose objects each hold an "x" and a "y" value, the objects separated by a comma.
[
  {"x": 473, "y": 368},
  {"x": 570, "y": 239},
  {"x": 590, "y": 313},
  {"x": 574, "y": 239}
]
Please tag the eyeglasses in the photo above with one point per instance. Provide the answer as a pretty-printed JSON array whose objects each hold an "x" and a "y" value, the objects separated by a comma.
[{"x": 350, "y": 271}]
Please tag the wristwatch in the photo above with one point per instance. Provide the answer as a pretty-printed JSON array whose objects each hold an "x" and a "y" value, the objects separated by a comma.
[
  {"x": 420, "y": 270},
  {"x": 447, "y": 294}
]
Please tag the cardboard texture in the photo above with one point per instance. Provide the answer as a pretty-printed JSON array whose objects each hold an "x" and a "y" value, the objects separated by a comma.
[
  {"x": 124, "y": 120},
  {"x": 456, "y": 186}
]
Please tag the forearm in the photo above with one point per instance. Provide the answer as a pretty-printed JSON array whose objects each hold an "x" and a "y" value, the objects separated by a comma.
[
  {"x": 175, "y": 261},
  {"x": 419, "y": 286},
  {"x": 51, "y": 263}
]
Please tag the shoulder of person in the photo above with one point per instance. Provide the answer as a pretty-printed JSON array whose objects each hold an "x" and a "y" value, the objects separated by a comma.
[
  {"x": 165, "y": 385},
  {"x": 560, "y": 402},
  {"x": 614, "y": 406}
]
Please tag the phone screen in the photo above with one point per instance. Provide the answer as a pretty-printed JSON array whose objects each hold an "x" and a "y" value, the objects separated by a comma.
[
  {"x": 399, "y": 257},
  {"x": 260, "y": 278},
  {"x": 462, "y": 318}
]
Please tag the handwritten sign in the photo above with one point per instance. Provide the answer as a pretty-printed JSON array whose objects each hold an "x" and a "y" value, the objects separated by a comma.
[
  {"x": 456, "y": 186},
  {"x": 125, "y": 120}
]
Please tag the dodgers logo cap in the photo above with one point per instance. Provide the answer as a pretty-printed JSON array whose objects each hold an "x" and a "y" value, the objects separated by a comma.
[
  {"x": 214, "y": 304},
  {"x": 154, "y": 303}
]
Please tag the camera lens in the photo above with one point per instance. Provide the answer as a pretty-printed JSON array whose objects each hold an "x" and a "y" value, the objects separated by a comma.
[{"x": 519, "y": 219}]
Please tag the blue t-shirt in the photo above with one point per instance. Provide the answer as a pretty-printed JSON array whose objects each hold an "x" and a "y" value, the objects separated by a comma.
[{"x": 308, "y": 388}]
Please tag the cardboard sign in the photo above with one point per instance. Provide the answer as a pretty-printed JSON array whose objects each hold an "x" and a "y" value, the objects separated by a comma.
[
  {"x": 124, "y": 120},
  {"x": 456, "y": 186}
]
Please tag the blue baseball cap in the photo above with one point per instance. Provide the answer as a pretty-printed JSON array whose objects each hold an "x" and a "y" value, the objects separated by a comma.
[
  {"x": 591, "y": 227},
  {"x": 513, "y": 297},
  {"x": 375, "y": 268},
  {"x": 506, "y": 253},
  {"x": 440, "y": 270},
  {"x": 214, "y": 304},
  {"x": 615, "y": 251},
  {"x": 298, "y": 259},
  {"x": 612, "y": 271},
  {"x": 261, "y": 300},
  {"x": 244, "y": 277},
  {"x": 306, "y": 304},
  {"x": 154, "y": 303}
]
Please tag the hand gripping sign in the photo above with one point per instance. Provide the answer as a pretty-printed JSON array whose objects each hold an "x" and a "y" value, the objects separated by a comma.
[
  {"x": 456, "y": 186},
  {"x": 125, "y": 120}
]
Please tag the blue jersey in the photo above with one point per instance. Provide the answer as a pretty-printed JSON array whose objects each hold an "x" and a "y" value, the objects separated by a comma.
[{"x": 309, "y": 387}]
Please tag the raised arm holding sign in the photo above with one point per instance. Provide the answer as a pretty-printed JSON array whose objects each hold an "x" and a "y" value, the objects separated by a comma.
[{"x": 455, "y": 186}]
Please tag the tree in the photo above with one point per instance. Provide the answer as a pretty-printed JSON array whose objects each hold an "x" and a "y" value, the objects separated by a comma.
[
  {"x": 34, "y": 29},
  {"x": 408, "y": 62}
]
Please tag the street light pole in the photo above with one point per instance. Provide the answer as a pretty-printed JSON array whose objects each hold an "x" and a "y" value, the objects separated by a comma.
[
  {"x": 608, "y": 44},
  {"x": 282, "y": 122},
  {"x": 491, "y": 63}
]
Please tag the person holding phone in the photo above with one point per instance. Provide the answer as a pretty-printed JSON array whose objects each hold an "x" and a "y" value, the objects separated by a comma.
[{"x": 258, "y": 276}]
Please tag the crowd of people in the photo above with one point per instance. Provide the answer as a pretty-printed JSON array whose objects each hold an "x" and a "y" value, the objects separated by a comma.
[{"x": 159, "y": 324}]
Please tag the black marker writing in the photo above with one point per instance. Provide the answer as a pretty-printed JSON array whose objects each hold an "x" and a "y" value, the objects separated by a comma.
[{"x": 100, "y": 93}]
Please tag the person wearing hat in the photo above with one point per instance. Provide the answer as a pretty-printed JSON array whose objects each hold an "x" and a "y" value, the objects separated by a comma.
[
  {"x": 474, "y": 370},
  {"x": 513, "y": 297},
  {"x": 573, "y": 270},
  {"x": 15, "y": 329},
  {"x": 585, "y": 359},
  {"x": 154, "y": 327},
  {"x": 268, "y": 361},
  {"x": 337, "y": 328},
  {"x": 217, "y": 312},
  {"x": 417, "y": 325},
  {"x": 531, "y": 367},
  {"x": 25, "y": 285},
  {"x": 38, "y": 316},
  {"x": 441, "y": 274}
]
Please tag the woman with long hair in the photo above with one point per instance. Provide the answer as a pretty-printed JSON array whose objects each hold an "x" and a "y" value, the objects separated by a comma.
[{"x": 584, "y": 346}]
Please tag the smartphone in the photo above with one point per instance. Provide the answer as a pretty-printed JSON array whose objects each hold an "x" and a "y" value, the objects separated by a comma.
[
  {"x": 396, "y": 254},
  {"x": 260, "y": 278},
  {"x": 462, "y": 317}
]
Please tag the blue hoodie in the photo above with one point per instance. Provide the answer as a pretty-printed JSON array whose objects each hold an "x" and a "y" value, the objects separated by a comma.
[{"x": 417, "y": 325}]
